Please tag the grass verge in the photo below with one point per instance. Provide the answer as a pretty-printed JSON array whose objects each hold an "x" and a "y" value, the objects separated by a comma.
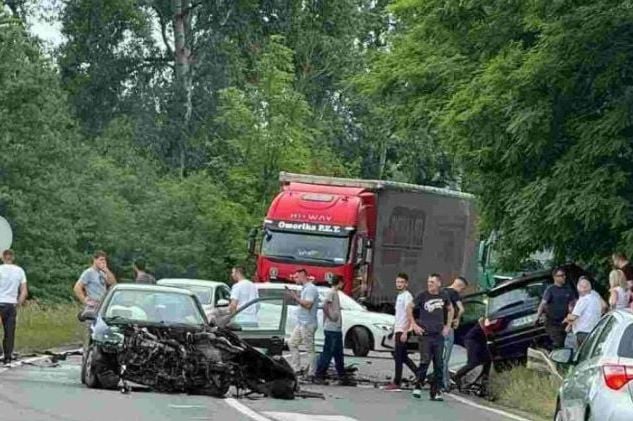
[
  {"x": 526, "y": 390},
  {"x": 41, "y": 327}
]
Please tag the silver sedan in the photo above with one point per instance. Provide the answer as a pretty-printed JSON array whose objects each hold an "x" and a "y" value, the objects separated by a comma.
[{"x": 599, "y": 383}]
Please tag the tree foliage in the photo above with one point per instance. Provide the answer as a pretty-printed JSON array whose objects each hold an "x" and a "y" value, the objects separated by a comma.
[{"x": 533, "y": 98}]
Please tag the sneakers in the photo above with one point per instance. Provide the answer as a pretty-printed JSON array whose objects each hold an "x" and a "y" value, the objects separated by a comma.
[
  {"x": 437, "y": 396},
  {"x": 346, "y": 381},
  {"x": 392, "y": 387},
  {"x": 319, "y": 381},
  {"x": 417, "y": 392}
]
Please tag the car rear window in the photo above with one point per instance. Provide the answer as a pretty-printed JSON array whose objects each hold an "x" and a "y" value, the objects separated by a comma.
[
  {"x": 626, "y": 343},
  {"x": 517, "y": 296}
]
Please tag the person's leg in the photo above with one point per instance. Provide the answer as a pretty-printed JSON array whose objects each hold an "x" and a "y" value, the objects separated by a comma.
[
  {"x": 556, "y": 334},
  {"x": 425, "y": 360},
  {"x": 326, "y": 355},
  {"x": 437, "y": 353},
  {"x": 397, "y": 357},
  {"x": 308, "y": 342},
  {"x": 293, "y": 345},
  {"x": 449, "y": 341},
  {"x": 8, "y": 323},
  {"x": 339, "y": 359}
]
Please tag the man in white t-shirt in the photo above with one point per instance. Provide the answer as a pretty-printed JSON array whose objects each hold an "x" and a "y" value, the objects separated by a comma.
[
  {"x": 13, "y": 292},
  {"x": 243, "y": 291},
  {"x": 587, "y": 311},
  {"x": 401, "y": 330}
]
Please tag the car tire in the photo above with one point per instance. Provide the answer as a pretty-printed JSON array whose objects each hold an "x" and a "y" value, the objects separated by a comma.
[
  {"x": 90, "y": 377},
  {"x": 361, "y": 343}
]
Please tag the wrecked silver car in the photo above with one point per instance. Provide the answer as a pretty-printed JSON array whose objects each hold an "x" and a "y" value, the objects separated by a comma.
[{"x": 159, "y": 337}]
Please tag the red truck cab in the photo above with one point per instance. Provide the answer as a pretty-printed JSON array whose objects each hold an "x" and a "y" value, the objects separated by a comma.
[{"x": 325, "y": 229}]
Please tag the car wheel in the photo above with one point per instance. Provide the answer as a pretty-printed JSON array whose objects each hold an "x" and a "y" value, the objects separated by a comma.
[
  {"x": 360, "y": 341},
  {"x": 90, "y": 376}
]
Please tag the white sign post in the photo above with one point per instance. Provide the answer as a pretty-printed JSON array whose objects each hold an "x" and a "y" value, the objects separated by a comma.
[{"x": 6, "y": 235}]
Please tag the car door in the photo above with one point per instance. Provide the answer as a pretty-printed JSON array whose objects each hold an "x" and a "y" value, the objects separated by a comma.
[
  {"x": 272, "y": 316},
  {"x": 577, "y": 383},
  {"x": 474, "y": 308}
]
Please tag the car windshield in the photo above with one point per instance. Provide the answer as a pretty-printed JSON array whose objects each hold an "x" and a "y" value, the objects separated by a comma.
[
  {"x": 305, "y": 247},
  {"x": 515, "y": 297},
  {"x": 166, "y": 308},
  {"x": 203, "y": 293}
]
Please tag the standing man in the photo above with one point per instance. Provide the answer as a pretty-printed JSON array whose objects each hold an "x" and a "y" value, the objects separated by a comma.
[
  {"x": 477, "y": 354},
  {"x": 434, "y": 322},
  {"x": 94, "y": 282},
  {"x": 13, "y": 292},
  {"x": 140, "y": 275},
  {"x": 587, "y": 311},
  {"x": 401, "y": 332},
  {"x": 243, "y": 291},
  {"x": 454, "y": 295},
  {"x": 332, "y": 328},
  {"x": 307, "y": 323},
  {"x": 556, "y": 303}
]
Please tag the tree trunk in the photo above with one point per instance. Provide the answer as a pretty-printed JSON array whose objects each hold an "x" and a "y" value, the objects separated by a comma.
[{"x": 183, "y": 85}]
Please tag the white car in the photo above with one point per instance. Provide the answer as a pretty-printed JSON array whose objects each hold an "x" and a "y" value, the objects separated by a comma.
[
  {"x": 211, "y": 294},
  {"x": 363, "y": 330}
]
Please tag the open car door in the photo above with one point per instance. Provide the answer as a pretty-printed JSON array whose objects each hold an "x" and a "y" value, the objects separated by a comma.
[{"x": 269, "y": 331}]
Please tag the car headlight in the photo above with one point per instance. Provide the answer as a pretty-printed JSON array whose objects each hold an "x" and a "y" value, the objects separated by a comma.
[{"x": 383, "y": 326}]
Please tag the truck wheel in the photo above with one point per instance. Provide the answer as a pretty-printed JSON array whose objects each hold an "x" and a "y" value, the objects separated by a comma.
[{"x": 361, "y": 344}]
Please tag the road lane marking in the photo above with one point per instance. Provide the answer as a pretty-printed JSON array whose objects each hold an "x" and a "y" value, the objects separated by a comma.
[
  {"x": 295, "y": 416},
  {"x": 186, "y": 406},
  {"x": 25, "y": 361},
  {"x": 245, "y": 410},
  {"x": 486, "y": 408}
]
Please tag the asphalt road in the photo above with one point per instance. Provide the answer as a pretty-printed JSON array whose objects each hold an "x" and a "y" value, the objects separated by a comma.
[{"x": 41, "y": 392}]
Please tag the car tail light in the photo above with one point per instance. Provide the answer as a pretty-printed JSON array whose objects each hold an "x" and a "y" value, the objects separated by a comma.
[
  {"x": 492, "y": 326},
  {"x": 616, "y": 376}
]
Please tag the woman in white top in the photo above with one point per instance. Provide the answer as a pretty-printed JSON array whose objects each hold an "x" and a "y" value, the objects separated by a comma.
[{"x": 619, "y": 294}]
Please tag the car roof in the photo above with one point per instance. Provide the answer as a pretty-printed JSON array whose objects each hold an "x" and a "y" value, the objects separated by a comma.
[
  {"x": 186, "y": 281},
  {"x": 151, "y": 288},
  {"x": 280, "y": 285},
  {"x": 526, "y": 278}
]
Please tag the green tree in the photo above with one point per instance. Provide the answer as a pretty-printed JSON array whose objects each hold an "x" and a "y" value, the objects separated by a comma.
[{"x": 533, "y": 100}]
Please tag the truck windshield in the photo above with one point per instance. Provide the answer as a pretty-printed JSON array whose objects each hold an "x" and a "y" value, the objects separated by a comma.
[{"x": 305, "y": 247}]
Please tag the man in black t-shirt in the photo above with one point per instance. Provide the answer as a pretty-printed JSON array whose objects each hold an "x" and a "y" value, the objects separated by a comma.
[
  {"x": 432, "y": 324},
  {"x": 556, "y": 303}
]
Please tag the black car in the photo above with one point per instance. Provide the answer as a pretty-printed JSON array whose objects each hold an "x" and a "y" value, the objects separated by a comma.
[
  {"x": 159, "y": 337},
  {"x": 510, "y": 312}
]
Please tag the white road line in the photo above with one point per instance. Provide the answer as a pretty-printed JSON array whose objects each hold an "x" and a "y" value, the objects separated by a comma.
[
  {"x": 295, "y": 416},
  {"x": 20, "y": 362},
  {"x": 486, "y": 408},
  {"x": 244, "y": 410},
  {"x": 185, "y": 406}
]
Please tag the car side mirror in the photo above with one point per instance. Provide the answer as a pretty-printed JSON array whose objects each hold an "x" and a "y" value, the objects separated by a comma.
[
  {"x": 222, "y": 303},
  {"x": 86, "y": 315},
  {"x": 562, "y": 356}
]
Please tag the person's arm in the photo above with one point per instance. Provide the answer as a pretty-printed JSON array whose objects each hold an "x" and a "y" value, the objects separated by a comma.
[
  {"x": 460, "y": 312},
  {"x": 613, "y": 297},
  {"x": 449, "y": 317},
  {"x": 308, "y": 302},
  {"x": 234, "y": 299},
  {"x": 24, "y": 292},
  {"x": 110, "y": 278},
  {"x": 412, "y": 324},
  {"x": 541, "y": 306},
  {"x": 80, "y": 292}
]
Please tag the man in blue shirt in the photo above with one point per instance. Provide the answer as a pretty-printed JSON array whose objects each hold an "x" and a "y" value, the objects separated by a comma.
[{"x": 303, "y": 333}]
